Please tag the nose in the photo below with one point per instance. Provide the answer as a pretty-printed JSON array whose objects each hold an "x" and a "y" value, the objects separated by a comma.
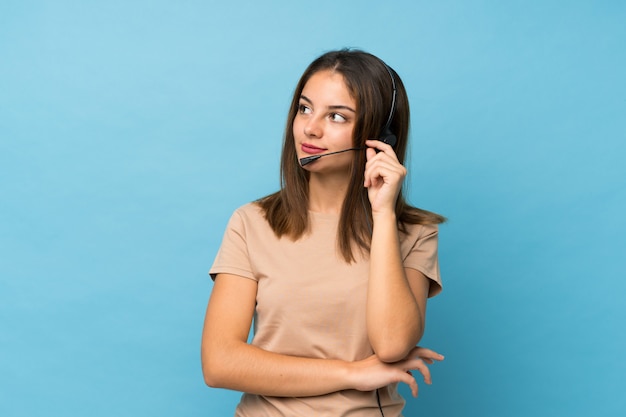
[{"x": 313, "y": 128}]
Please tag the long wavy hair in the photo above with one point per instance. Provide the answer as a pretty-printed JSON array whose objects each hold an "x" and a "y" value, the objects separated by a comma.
[{"x": 369, "y": 83}]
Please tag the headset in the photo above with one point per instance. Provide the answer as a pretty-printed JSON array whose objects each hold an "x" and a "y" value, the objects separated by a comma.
[{"x": 387, "y": 135}]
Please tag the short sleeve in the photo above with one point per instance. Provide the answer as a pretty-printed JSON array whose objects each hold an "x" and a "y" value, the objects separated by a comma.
[
  {"x": 232, "y": 256},
  {"x": 419, "y": 250}
]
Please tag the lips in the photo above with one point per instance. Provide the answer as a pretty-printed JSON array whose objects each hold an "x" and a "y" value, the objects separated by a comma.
[{"x": 311, "y": 149}]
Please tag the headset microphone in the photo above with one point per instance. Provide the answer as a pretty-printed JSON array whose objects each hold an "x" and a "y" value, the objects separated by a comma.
[{"x": 308, "y": 159}]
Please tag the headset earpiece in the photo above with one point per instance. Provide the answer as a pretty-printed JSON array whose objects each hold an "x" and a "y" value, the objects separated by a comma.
[{"x": 388, "y": 137}]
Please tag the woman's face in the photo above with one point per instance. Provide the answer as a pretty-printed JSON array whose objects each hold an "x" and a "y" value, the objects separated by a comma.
[{"x": 325, "y": 120}]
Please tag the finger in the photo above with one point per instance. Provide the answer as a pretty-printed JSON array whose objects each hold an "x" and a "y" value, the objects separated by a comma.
[
  {"x": 434, "y": 356},
  {"x": 372, "y": 177},
  {"x": 408, "y": 379},
  {"x": 380, "y": 145},
  {"x": 370, "y": 154},
  {"x": 419, "y": 365},
  {"x": 376, "y": 173},
  {"x": 383, "y": 170},
  {"x": 426, "y": 353}
]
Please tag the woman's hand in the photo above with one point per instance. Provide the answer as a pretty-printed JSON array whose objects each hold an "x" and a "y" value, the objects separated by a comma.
[
  {"x": 383, "y": 176},
  {"x": 371, "y": 373}
]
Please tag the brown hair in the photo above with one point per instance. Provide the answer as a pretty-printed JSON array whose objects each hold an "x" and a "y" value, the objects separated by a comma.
[{"x": 369, "y": 82}]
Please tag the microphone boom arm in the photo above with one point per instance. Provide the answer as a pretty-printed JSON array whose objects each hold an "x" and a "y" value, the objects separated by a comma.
[{"x": 308, "y": 159}]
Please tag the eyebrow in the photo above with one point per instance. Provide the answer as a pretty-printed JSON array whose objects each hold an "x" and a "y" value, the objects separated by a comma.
[{"x": 336, "y": 107}]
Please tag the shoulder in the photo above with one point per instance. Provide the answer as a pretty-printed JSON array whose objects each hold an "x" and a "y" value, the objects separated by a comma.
[
  {"x": 249, "y": 211},
  {"x": 249, "y": 216},
  {"x": 414, "y": 232},
  {"x": 419, "y": 248},
  {"x": 416, "y": 224},
  {"x": 421, "y": 240}
]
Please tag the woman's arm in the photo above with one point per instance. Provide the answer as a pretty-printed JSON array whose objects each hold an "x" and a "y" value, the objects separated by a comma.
[
  {"x": 396, "y": 301},
  {"x": 228, "y": 361}
]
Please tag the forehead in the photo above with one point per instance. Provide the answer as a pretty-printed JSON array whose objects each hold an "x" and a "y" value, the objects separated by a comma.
[{"x": 327, "y": 85}]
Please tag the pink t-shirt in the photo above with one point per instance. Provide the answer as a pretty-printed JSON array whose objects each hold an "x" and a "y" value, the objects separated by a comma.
[{"x": 311, "y": 303}]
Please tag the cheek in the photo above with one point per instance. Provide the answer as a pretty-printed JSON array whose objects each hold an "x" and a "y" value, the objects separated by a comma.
[
  {"x": 296, "y": 130},
  {"x": 296, "y": 127},
  {"x": 348, "y": 137}
]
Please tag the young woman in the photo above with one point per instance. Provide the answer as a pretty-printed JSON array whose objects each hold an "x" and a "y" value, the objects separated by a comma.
[{"x": 335, "y": 268}]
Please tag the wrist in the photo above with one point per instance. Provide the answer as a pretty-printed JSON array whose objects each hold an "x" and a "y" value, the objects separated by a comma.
[
  {"x": 347, "y": 375},
  {"x": 351, "y": 378},
  {"x": 384, "y": 216}
]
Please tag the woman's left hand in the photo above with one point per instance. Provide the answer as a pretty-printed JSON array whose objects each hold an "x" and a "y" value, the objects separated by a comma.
[{"x": 384, "y": 175}]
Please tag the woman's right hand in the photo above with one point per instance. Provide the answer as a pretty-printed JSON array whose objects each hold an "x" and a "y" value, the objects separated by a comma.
[{"x": 371, "y": 373}]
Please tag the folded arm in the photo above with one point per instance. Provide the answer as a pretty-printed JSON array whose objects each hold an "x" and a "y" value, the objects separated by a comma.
[{"x": 228, "y": 361}]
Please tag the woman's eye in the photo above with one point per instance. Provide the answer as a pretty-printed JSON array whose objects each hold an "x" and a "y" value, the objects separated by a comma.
[
  {"x": 304, "y": 109},
  {"x": 336, "y": 117}
]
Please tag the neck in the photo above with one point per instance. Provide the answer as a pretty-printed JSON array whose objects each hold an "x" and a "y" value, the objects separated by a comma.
[{"x": 327, "y": 193}]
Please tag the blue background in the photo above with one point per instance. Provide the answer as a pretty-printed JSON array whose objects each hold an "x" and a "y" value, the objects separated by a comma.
[{"x": 130, "y": 130}]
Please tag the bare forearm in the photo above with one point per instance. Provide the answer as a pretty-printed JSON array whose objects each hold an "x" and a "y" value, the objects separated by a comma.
[
  {"x": 247, "y": 368},
  {"x": 394, "y": 319},
  {"x": 255, "y": 371}
]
